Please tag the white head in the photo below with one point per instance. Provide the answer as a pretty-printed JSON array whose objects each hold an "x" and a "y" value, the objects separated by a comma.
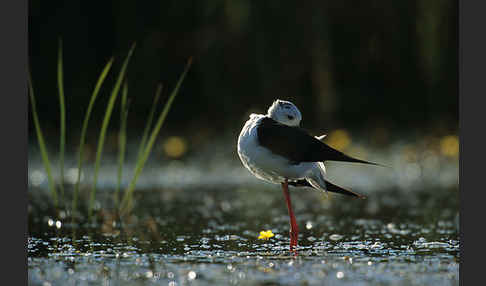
[{"x": 285, "y": 112}]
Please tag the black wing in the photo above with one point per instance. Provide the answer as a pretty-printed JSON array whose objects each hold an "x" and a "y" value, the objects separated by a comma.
[
  {"x": 330, "y": 188},
  {"x": 297, "y": 145}
]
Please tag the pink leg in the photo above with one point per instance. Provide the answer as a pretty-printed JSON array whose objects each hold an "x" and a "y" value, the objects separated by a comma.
[{"x": 294, "y": 229}]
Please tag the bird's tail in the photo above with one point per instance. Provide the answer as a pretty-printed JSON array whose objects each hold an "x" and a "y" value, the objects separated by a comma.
[{"x": 318, "y": 181}]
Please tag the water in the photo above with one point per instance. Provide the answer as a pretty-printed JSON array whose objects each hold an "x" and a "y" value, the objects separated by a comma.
[
  {"x": 209, "y": 236},
  {"x": 196, "y": 222}
]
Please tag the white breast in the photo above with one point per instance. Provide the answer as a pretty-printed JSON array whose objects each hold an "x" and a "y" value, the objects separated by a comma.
[{"x": 262, "y": 162}]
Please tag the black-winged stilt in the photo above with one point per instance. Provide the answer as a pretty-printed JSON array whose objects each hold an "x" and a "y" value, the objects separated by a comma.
[{"x": 274, "y": 148}]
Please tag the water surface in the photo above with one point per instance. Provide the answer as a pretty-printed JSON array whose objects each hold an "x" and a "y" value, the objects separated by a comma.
[{"x": 196, "y": 222}]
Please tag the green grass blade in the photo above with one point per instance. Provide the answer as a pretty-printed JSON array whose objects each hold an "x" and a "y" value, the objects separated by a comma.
[
  {"x": 104, "y": 127},
  {"x": 94, "y": 95},
  {"x": 42, "y": 145},
  {"x": 62, "y": 143},
  {"x": 149, "y": 122},
  {"x": 122, "y": 139},
  {"x": 127, "y": 201}
]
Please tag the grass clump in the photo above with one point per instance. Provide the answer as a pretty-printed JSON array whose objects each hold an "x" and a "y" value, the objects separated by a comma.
[
  {"x": 146, "y": 143},
  {"x": 127, "y": 198},
  {"x": 92, "y": 100},
  {"x": 104, "y": 127}
]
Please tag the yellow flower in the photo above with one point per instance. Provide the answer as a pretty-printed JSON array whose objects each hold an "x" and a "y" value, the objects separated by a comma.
[{"x": 266, "y": 234}]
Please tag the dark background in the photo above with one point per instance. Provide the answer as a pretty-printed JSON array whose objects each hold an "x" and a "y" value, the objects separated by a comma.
[{"x": 345, "y": 64}]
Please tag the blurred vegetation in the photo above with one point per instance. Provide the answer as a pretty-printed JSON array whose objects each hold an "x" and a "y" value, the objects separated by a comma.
[{"x": 385, "y": 65}]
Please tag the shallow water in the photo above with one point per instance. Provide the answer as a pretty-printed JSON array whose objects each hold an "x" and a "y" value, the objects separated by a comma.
[
  {"x": 209, "y": 236},
  {"x": 196, "y": 221}
]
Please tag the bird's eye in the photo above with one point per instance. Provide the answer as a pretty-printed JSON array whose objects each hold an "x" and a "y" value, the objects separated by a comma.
[{"x": 290, "y": 117}]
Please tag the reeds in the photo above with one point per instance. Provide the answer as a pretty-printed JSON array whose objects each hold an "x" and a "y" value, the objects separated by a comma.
[
  {"x": 126, "y": 204},
  {"x": 149, "y": 122},
  {"x": 92, "y": 100},
  {"x": 104, "y": 127},
  {"x": 146, "y": 143},
  {"x": 122, "y": 139},
  {"x": 62, "y": 143},
  {"x": 42, "y": 145}
]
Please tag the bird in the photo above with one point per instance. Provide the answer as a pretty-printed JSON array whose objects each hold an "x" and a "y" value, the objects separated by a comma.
[{"x": 274, "y": 148}]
